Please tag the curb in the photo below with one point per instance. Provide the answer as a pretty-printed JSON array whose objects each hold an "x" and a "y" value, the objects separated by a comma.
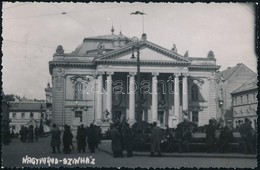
[{"x": 189, "y": 155}]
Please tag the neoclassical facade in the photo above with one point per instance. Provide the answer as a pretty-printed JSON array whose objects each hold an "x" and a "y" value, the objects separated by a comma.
[{"x": 98, "y": 83}]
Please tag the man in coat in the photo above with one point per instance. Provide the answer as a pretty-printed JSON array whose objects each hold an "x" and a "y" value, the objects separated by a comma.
[
  {"x": 55, "y": 138},
  {"x": 116, "y": 141},
  {"x": 156, "y": 138},
  {"x": 67, "y": 139},
  {"x": 128, "y": 140},
  {"x": 210, "y": 136},
  {"x": 92, "y": 138},
  {"x": 81, "y": 137},
  {"x": 36, "y": 133},
  {"x": 246, "y": 132}
]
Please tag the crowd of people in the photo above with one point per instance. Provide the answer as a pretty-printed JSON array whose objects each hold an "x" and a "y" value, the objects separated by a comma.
[
  {"x": 86, "y": 136},
  {"x": 217, "y": 138},
  {"x": 29, "y": 134},
  {"x": 123, "y": 137},
  {"x": 182, "y": 138}
]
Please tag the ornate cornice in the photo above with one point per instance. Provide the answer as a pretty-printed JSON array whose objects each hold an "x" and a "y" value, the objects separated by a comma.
[
  {"x": 148, "y": 44},
  {"x": 203, "y": 67},
  {"x": 65, "y": 64},
  {"x": 147, "y": 62}
]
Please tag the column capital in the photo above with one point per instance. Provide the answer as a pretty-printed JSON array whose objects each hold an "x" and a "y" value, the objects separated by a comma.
[
  {"x": 132, "y": 73},
  {"x": 109, "y": 73},
  {"x": 177, "y": 74},
  {"x": 185, "y": 74},
  {"x": 98, "y": 73},
  {"x": 155, "y": 74}
]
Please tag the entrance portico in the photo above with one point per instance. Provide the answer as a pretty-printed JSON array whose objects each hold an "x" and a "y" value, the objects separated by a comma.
[{"x": 153, "y": 100}]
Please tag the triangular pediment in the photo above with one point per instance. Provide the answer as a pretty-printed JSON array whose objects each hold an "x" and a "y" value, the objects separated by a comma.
[{"x": 148, "y": 52}]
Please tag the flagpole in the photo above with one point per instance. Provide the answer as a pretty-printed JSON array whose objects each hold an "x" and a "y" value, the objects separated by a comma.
[{"x": 143, "y": 20}]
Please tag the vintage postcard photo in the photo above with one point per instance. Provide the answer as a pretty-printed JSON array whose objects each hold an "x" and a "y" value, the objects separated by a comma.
[{"x": 129, "y": 85}]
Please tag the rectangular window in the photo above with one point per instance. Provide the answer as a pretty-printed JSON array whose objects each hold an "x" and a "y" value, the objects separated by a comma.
[
  {"x": 247, "y": 99},
  {"x": 14, "y": 115},
  {"x": 194, "y": 93},
  {"x": 195, "y": 116},
  {"x": 78, "y": 114},
  {"x": 79, "y": 88},
  {"x": 31, "y": 115},
  {"x": 22, "y": 115},
  {"x": 241, "y": 98},
  {"x": 235, "y": 101}
]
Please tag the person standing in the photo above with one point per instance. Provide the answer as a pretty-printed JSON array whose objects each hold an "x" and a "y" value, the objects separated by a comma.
[
  {"x": 128, "y": 140},
  {"x": 210, "y": 136},
  {"x": 22, "y": 133},
  {"x": 55, "y": 138},
  {"x": 71, "y": 144},
  {"x": 92, "y": 138},
  {"x": 26, "y": 136},
  {"x": 116, "y": 141},
  {"x": 30, "y": 134},
  {"x": 81, "y": 137},
  {"x": 156, "y": 138},
  {"x": 36, "y": 133},
  {"x": 246, "y": 132},
  {"x": 67, "y": 139}
]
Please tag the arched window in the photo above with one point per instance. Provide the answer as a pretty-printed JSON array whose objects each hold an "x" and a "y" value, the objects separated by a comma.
[
  {"x": 194, "y": 93},
  {"x": 78, "y": 91}
]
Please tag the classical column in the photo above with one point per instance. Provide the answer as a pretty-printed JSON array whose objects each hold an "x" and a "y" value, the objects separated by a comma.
[
  {"x": 132, "y": 98},
  {"x": 185, "y": 93},
  {"x": 176, "y": 97},
  {"x": 98, "y": 97},
  {"x": 109, "y": 93},
  {"x": 154, "y": 97}
]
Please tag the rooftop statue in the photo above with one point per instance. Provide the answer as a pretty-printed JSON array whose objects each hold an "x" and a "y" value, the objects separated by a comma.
[
  {"x": 59, "y": 49},
  {"x": 174, "y": 48},
  {"x": 186, "y": 54},
  {"x": 211, "y": 54}
]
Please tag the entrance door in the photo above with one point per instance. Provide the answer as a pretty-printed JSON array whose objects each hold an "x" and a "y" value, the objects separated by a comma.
[
  {"x": 144, "y": 115},
  {"x": 119, "y": 116},
  {"x": 161, "y": 118},
  {"x": 195, "y": 117}
]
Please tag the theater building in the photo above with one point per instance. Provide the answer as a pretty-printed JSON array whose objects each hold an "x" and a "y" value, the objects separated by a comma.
[{"x": 97, "y": 83}]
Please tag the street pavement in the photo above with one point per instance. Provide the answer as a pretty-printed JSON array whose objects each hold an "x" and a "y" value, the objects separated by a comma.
[{"x": 18, "y": 154}]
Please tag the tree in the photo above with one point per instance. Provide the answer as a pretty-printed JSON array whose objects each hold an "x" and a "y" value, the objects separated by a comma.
[{"x": 12, "y": 97}]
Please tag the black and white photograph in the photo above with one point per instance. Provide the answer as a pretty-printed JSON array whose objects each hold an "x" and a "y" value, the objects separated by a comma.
[{"x": 150, "y": 85}]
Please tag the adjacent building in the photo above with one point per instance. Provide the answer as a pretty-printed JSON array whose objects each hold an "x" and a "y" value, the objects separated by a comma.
[
  {"x": 25, "y": 113},
  {"x": 97, "y": 83},
  {"x": 227, "y": 81},
  {"x": 244, "y": 100}
]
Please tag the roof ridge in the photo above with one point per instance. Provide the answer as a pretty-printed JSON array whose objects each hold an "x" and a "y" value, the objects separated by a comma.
[
  {"x": 236, "y": 67},
  {"x": 244, "y": 85}
]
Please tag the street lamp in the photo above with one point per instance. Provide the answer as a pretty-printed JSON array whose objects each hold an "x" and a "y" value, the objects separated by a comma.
[{"x": 136, "y": 46}]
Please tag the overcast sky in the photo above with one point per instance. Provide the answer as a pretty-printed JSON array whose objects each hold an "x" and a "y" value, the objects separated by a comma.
[{"x": 32, "y": 31}]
